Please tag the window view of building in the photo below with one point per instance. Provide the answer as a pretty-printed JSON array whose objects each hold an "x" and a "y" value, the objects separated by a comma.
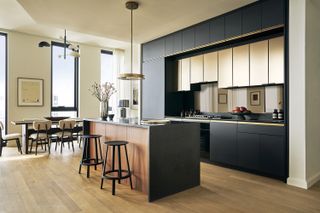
[{"x": 64, "y": 82}]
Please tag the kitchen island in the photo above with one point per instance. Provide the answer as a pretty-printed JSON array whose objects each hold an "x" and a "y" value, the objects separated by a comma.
[{"x": 164, "y": 159}]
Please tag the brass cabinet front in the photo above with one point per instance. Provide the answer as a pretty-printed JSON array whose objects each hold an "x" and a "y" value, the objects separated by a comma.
[
  {"x": 241, "y": 66},
  {"x": 225, "y": 68},
  {"x": 196, "y": 69},
  {"x": 276, "y": 60},
  {"x": 210, "y": 67},
  {"x": 259, "y": 63}
]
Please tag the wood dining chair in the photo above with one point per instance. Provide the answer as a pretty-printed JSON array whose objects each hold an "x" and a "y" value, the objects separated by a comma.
[
  {"x": 66, "y": 133},
  {"x": 41, "y": 136},
  {"x": 9, "y": 137}
]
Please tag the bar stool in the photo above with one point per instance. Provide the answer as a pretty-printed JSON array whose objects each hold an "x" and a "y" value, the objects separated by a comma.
[
  {"x": 110, "y": 174},
  {"x": 86, "y": 156}
]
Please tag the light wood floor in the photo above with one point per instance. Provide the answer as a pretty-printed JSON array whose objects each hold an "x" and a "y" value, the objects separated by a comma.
[{"x": 52, "y": 184}]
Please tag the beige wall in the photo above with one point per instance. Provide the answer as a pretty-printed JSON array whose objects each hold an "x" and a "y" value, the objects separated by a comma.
[
  {"x": 26, "y": 59},
  {"x": 312, "y": 91}
]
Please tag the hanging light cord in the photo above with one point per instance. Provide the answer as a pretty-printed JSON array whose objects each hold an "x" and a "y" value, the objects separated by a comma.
[{"x": 131, "y": 38}]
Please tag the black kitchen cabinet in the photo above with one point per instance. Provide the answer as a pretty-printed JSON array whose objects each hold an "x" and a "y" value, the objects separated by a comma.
[
  {"x": 272, "y": 13},
  {"x": 217, "y": 29},
  {"x": 173, "y": 43},
  {"x": 202, "y": 34},
  {"x": 188, "y": 38},
  {"x": 272, "y": 155},
  {"x": 233, "y": 22},
  {"x": 153, "y": 89},
  {"x": 153, "y": 49},
  {"x": 251, "y": 18},
  {"x": 248, "y": 150},
  {"x": 223, "y": 143}
]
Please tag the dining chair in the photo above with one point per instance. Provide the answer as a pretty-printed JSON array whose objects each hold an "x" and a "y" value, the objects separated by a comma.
[
  {"x": 41, "y": 135},
  {"x": 66, "y": 133},
  {"x": 9, "y": 137}
]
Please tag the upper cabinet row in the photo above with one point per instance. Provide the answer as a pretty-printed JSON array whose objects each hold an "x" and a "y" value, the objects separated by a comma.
[
  {"x": 260, "y": 15},
  {"x": 252, "y": 64}
]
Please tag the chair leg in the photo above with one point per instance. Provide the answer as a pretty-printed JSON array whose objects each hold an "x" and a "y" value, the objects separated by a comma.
[
  {"x": 18, "y": 145},
  {"x": 1, "y": 148},
  {"x": 37, "y": 143},
  {"x": 104, "y": 168},
  {"x": 119, "y": 168},
  {"x": 72, "y": 144},
  {"x": 61, "y": 145},
  {"x": 31, "y": 145},
  {"x": 128, "y": 165}
]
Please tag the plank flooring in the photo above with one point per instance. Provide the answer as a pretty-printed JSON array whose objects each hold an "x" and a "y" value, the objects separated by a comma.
[{"x": 45, "y": 183}]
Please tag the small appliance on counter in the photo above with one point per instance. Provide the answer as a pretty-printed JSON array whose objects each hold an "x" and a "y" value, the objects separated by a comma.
[{"x": 123, "y": 104}]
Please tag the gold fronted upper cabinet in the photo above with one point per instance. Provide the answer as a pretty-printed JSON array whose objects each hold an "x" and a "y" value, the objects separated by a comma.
[
  {"x": 259, "y": 63},
  {"x": 241, "y": 66},
  {"x": 225, "y": 68},
  {"x": 276, "y": 60},
  {"x": 196, "y": 72},
  {"x": 184, "y": 74},
  {"x": 210, "y": 67}
]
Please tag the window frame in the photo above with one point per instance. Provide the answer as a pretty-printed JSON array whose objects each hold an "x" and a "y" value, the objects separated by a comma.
[
  {"x": 6, "y": 82},
  {"x": 76, "y": 83}
]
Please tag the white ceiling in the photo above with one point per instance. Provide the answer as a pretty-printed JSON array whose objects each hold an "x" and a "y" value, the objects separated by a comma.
[{"x": 107, "y": 22}]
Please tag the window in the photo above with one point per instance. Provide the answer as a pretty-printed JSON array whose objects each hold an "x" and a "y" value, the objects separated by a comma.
[
  {"x": 108, "y": 74},
  {"x": 64, "y": 85},
  {"x": 3, "y": 81}
]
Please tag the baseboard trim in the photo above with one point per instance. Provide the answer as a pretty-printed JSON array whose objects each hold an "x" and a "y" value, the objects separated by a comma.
[
  {"x": 297, "y": 182},
  {"x": 313, "y": 179}
]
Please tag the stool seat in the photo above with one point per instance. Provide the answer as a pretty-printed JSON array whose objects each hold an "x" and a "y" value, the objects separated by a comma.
[
  {"x": 91, "y": 136},
  {"x": 116, "y": 143}
]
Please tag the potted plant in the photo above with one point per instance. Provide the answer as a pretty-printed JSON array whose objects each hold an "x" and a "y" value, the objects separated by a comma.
[{"x": 103, "y": 92}]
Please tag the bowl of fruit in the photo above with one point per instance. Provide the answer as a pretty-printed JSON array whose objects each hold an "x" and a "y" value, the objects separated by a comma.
[{"x": 241, "y": 112}]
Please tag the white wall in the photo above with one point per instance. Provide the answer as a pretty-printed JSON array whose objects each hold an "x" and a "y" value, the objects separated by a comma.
[
  {"x": 312, "y": 90},
  {"x": 90, "y": 72},
  {"x": 304, "y": 99},
  {"x": 297, "y": 107}
]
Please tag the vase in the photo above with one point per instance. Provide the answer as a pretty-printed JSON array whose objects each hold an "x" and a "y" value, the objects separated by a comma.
[{"x": 104, "y": 106}]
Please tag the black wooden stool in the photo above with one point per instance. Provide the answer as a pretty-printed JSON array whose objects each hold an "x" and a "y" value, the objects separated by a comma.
[
  {"x": 115, "y": 174},
  {"x": 86, "y": 158}
]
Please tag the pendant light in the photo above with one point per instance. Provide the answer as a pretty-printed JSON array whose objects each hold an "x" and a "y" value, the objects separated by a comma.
[{"x": 131, "y": 5}]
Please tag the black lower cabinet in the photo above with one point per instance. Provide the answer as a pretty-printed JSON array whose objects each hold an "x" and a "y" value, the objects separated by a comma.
[
  {"x": 256, "y": 148},
  {"x": 248, "y": 151},
  {"x": 223, "y": 143},
  {"x": 273, "y": 155}
]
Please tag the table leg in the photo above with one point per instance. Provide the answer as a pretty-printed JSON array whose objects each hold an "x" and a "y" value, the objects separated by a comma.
[{"x": 25, "y": 138}]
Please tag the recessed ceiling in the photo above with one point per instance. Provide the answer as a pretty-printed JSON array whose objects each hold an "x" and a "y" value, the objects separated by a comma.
[{"x": 109, "y": 18}]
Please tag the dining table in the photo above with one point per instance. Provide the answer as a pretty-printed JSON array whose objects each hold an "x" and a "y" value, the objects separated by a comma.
[{"x": 27, "y": 130}]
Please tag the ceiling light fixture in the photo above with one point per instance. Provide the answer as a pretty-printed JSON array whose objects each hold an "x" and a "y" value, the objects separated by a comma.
[{"x": 131, "y": 5}]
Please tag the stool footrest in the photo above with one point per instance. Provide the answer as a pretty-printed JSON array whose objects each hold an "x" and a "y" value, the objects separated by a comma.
[
  {"x": 91, "y": 162},
  {"x": 108, "y": 174}
]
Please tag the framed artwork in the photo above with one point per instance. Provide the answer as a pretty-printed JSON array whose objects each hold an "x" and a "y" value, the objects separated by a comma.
[
  {"x": 255, "y": 98},
  {"x": 135, "y": 94},
  {"x": 30, "y": 92},
  {"x": 222, "y": 99}
]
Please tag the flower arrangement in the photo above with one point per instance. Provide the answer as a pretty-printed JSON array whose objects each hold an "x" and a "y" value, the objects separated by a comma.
[{"x": 103, "y": 92}]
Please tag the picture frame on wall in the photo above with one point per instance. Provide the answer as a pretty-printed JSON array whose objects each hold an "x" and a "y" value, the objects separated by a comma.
[
  {"x": 30, "y": 92},
  {"x": 135, "y": 94},
  {"x": 222, "y": 99},
  {"x": 255, "y": 98}
]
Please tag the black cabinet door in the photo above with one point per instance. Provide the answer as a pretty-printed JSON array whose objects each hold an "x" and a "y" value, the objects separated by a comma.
[
  {"x": 173, "y": 43},
  {"x": 248, "y": 151},
  {"x": 251, "y": 18},
  {"x": 153, "y": 49},
  {"x": 272, "y": 13},
  {"x": 153, "y": 89},
  {"x": 272, "y": 155},
  {"x": 202, "y": 34},
  {"x": 217, "y": 29},
  {"x": 233, "y": 22},
  {"x": 223, "y": 143},
  {"x": 188, "y": 38}
]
